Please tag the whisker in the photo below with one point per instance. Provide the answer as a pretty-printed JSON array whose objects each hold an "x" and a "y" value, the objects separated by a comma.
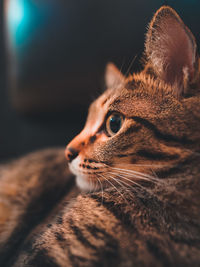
[
  {"x": 117, "y": 181},
  {"x": 193, "y": 152},
  {"x": 141, "y": 165},
  {"x": 130, "y": 65},
  {"x": 133, "y": 172},
  {"x": 122, "y": 65},
  {"x": 96, "y": 186},
  {"x": 127, "y": 187},
  {"x": 146, "y": 165},
  {"x": 135, "y": 189},
  {"x": 121, "y": 176},
  {"x": 138, "y": 175},
  {"x": 91, "y": 186},
  {"x": 132, "y": 187},
  {"x": 101, "y": 190},
  {"x": 149, "y": 177},
  {"x": 113, "y": 187},
  {"x": 134, "y": 183},
  {"x": 154, "y": 173},
  {"x": 131, "y": 181}
]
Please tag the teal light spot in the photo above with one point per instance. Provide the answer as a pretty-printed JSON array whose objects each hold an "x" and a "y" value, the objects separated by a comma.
[
  {"x": 16, "y": 11},
  {"x": 17, "y": 21}
]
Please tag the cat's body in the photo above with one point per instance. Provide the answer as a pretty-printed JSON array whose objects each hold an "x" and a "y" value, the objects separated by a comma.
[{"x": 137, "y": 158}]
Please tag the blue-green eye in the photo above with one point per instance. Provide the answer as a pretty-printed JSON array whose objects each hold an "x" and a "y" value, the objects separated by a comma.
[{"x": 114, "y": 123}]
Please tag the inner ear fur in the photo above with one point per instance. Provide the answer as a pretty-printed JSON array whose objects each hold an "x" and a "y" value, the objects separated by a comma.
[
  {"x": 171, "y": 51},
  {"x": 113, "y": 76}
]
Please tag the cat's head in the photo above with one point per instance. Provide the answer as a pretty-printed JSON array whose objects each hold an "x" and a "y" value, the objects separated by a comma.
[{"x": 146, "y": 123}]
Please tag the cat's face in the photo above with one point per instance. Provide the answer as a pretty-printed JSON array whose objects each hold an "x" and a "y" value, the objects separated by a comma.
[{"x": 141, "y": 124}]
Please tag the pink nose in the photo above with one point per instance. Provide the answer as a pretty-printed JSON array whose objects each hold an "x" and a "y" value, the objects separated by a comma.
[{"x": 70, "y": 153}]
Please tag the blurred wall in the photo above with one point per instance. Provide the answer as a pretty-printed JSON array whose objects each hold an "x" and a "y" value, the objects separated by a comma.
[{"x": 55, "y": 58}]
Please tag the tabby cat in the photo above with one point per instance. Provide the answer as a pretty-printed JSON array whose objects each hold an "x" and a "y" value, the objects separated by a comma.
[{"x": 136, "y": 162}]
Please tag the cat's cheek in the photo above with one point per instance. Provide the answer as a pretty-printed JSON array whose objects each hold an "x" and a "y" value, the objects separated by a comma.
[{"x": 102, "y": 137}]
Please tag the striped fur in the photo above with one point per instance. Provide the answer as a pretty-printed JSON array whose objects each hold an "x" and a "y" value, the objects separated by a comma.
[{"x": 139, "y": 204}]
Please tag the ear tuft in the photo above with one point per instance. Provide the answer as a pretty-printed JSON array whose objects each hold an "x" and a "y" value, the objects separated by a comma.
[
  {"x": 171, "y": 50},
  {"x": 113, "y": 77}
]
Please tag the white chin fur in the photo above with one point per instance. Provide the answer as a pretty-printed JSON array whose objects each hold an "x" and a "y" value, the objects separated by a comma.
[
  {"x": 82, "y": 183},
  {"x": 82, "y": 180},
  {"x": 85, "y": 185}
]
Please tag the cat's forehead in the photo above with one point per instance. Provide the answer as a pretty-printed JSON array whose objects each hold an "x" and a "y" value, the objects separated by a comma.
[
  {"x": 106, "y": 99},
  {"x": 100, "y": 107},
  {"x": 140, "y": 94},
  {"x": 136, "y": 87}
]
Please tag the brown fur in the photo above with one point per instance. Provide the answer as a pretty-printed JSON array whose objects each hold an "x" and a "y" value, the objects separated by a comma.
[{"x": 141, "y": 207}]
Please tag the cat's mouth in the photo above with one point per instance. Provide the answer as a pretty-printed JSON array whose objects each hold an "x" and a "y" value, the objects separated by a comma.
[
  {"x": 96, "y": 176},
  {"x": 87, "y": 178}
]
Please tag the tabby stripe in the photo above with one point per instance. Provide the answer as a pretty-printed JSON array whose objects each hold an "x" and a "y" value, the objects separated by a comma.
[
  {"x": 142, "y": 199},
  {"x": 125, "y": 147},
  {"x": 98, "y": 233},
  {"x": 104, "y": 235},
  {"x": 79, "y": 235},
  {"x": 132, "y": 129},
  {"x": 92, "y": 139},
  {"x": 59, "y": 220},
  {"x": 9, "y": 253},
  {"x": 95, "y": 161},
  {"x": 156, "y": 155},
  {"x": 155, "y": 248},
  {"x": 115, "y": 209},
  {"x": 116, "y": 102},
  {"x": 125, "y": 155},
  {"x": 75, "y": 259},
  {"x": 109, "y": 256},
  {"x": 171, "y": 171},
  {"x": 28, "y": 247},
  {"x": 41, "y": 259},
  {"x": 150, "y": 155},
  {"x": 59, "y": 237},
  {"x": 176, "y": 169},
  {"x": 190, "y": 241},
  {"x": 166, "y": 137}
]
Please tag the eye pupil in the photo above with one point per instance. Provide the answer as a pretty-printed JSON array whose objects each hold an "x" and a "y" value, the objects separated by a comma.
[{"x": 115, "y": 123}]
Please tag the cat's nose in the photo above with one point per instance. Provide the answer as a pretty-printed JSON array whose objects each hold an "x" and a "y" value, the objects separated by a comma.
[{"x": 70, "y": 153}]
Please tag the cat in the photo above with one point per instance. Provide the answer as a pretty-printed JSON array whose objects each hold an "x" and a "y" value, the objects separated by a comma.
[{"x": 136, "y": 162}]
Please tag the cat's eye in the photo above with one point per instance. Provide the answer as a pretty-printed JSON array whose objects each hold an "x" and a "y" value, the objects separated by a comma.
[{"x": 114, "y": 123}]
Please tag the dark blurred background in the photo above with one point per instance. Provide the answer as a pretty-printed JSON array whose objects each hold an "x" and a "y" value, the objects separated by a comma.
[{"x": 53, "y": 55}]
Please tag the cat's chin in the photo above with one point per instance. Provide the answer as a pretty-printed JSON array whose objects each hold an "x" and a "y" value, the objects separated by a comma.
[{"x": 85, "y": 185}]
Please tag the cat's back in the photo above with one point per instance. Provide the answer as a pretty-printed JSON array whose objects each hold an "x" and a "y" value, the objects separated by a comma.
[{"x": 30, "y": 188}]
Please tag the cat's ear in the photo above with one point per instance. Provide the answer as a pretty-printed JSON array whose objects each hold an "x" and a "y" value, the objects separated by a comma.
[
  {"x": 171, "y": 50},
  {"x": 113, "y": 76}
]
